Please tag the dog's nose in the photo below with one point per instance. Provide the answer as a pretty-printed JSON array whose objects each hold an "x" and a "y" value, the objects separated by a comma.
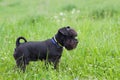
[{"x": 76, "y": 41}]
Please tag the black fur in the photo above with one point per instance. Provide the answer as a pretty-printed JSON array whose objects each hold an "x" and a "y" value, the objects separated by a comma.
[
  {"x": 18, "y": 41},
  {"x": 49, "y": 50}
]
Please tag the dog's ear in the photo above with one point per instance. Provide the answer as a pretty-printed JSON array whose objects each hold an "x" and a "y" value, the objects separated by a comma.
[
  {"x": 64, "y": 30},
  {"x": 68, "y": 27}
]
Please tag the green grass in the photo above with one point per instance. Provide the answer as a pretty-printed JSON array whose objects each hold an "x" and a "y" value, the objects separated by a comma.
[{"x": 97, "y": 56}]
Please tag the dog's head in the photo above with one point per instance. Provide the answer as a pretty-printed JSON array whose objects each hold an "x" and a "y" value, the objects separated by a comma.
[{"x": 66, "y": 36}]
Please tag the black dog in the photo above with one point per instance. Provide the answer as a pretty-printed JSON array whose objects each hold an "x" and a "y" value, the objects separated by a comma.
[{"x": 49, "y": 50}]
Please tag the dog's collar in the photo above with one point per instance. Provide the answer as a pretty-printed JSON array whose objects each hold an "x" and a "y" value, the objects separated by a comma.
[{"x": 54, "y": 41}]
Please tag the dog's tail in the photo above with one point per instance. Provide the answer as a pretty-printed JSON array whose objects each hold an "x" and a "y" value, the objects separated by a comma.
[{"x": 18, "y": 41}]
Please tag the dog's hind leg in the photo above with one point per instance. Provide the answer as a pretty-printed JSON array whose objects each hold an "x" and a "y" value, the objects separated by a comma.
[{"x": 21, "y": 63}]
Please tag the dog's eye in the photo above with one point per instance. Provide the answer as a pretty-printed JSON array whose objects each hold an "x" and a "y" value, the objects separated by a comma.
[{"x": 71, "y": 37}]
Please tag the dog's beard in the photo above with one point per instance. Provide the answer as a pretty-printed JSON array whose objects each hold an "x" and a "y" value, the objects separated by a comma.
[{"x": 70, "y": 44}]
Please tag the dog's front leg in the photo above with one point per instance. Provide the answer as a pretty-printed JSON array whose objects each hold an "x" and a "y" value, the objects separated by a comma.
[{"x": 55, "y": 63}]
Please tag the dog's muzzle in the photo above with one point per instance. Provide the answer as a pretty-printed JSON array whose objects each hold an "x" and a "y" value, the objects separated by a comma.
[{"x": 71, "y": 44}]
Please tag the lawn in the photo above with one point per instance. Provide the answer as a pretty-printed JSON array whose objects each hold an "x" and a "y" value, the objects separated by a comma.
[{"x": 97, "y": 22}]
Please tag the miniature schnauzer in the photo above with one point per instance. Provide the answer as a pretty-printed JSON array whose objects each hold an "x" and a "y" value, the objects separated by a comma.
[{"x": 49, "y": 50}]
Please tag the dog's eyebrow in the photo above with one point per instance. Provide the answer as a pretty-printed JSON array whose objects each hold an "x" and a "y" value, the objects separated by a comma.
[{"x": 67, "y": 29}]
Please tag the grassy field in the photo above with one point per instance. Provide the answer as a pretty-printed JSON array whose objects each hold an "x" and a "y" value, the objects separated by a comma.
[{"x": 97, "y": 56}]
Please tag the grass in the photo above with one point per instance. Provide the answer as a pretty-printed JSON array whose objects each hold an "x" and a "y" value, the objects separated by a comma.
[{"x": 97, "y": 56}]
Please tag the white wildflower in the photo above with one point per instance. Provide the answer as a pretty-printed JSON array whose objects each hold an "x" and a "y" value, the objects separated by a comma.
[
  {"x": 77, "y": 78},
  {"x": 56, "y": 17},
  {"x": 73, "y": 11},
  {"x": 78, "y": 11},
  {"x": 58, "y": 20},
  {"x": 61, "y": 14},
  {"x": 63, "y": 19}
]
